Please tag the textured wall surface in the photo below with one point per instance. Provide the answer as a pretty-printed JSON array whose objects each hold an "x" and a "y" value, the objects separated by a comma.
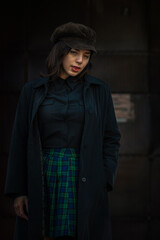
[{"x": 128, "y": 59}]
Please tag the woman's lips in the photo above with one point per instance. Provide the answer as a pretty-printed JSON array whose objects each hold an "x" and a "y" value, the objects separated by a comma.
[{"x": 75, "y": 69}]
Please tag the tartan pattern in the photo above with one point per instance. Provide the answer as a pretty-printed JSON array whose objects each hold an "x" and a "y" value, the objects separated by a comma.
[{"x": 60, "y": 170}]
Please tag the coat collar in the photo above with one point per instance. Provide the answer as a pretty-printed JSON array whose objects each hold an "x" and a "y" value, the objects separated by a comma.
[
  {"x": 71, "y": 82},
  {"x": 88, "y": 80}
]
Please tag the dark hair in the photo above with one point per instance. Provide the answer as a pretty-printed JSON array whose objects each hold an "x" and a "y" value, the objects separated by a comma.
[{"x": 54, "y": 61}]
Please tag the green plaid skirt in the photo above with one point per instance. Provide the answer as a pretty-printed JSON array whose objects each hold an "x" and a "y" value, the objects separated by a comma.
[{"x": 61, "y": 170}]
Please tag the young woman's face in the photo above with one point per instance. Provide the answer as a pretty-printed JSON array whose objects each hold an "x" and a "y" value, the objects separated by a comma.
[{"x": 74, "y": 62}]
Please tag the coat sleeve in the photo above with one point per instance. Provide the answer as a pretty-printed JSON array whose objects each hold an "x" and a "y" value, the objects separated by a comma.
[
  {"x": 111, "y": 140},
  {"x": 16, "y": 180}
]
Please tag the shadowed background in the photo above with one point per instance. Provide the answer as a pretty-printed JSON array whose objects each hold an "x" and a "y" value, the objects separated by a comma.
[{"x": 128, "y": 59}]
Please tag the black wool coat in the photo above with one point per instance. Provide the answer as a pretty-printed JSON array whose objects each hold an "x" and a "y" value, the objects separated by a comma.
[{"x": 98, "y": 160}]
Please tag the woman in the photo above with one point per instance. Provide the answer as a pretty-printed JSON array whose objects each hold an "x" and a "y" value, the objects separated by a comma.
[{"x": 64, "y": 147}]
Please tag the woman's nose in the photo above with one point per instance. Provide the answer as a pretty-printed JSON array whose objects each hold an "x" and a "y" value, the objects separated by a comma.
[{"x": 79, "y": 59}]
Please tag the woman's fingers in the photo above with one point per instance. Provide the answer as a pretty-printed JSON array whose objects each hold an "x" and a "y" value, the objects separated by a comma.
[
  {"x": 16, "y": 208},
  {"x": 20, "y": 205},
  {"x": 22, "y": 211}
]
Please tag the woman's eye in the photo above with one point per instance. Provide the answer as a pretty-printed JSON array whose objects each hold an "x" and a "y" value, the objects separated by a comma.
[{"x": 86, "y": 56}]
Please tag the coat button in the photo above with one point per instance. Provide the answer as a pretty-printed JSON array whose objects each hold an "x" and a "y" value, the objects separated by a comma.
[{"x": 84, "y": 179}]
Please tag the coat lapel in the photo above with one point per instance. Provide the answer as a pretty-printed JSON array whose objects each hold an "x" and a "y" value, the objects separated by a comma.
[{"x": 38, "y": 96}]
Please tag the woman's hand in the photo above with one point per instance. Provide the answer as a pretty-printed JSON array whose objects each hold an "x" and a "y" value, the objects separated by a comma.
[{"x": 21, "y": 206}]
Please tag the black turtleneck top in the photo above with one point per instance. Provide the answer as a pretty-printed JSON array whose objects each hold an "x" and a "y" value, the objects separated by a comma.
[{"x": 61, "y": 114}]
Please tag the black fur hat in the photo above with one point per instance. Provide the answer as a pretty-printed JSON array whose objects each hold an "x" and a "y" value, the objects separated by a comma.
[{"x": 75, "y": 35}]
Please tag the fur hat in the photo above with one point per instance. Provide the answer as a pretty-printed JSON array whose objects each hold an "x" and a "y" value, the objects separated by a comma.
[{"x": 75, "y": 35}]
